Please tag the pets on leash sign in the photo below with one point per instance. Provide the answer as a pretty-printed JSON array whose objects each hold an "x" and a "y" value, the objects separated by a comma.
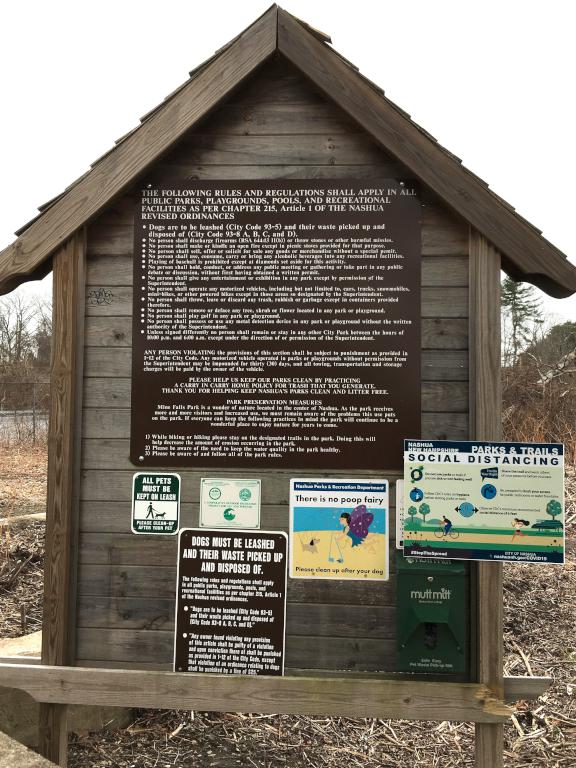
[
  {"x": 484, "y": 501},
  {"x": 339, "y": 529},
  {"x": 155, "y": 503}
]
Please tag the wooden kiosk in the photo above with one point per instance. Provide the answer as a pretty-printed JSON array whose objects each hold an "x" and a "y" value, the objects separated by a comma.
[{"x": 278, "y": 102}]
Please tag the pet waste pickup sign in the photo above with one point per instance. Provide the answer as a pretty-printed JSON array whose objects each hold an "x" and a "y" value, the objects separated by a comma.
[
  {"x": 155, "y": 503},
  {"x": 339, "y": 529},
  {"x": 484, "y": 501},
  {"x": 231, "y": 602}
]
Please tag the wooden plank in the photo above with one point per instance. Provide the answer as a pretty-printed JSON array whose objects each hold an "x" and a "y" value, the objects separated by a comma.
[
  {"x": 63, "y": 486},
  {"x": 440, "y": 333},
  {"x": 445, "y": 396},
  {"x": 485, "y": 424},
  {"x": 118, "y": 581},
  {"x": 68, "y": 289},
  {"x": 130, "y": 158},
  {"x": 437, "y": 301},
  {"x": 322, "y": 620},
  {"x": 444, "y": 271},
  {"x": 463, "y": 192},
  {"x": 276, "y": 83},
  {"x": 106, "y": 485},
  {"x": 53, "y": 732},
  {"x": 444, "y": 426},
  {"x": 302, "y": 149},
  {"x": 443, "y": 365},
  {"x": 437, "y": 364},
  {"x": 179, "y": 167},
  {"x": 437, "y": 333},
  {"x": 515, "y": 688},
  {"x": 115, "y": 517},
  {"x": 123, "y": 548},
  {"x": 288, "y": 671},
  {"x": 525, "y": 688},
  {"x": 267, "y": 117},
  {"x": 358, "y": 653},
  {"x": 291, "y": 695},
  {"x": 20, "y": 660},
  {"x": 486, "y": 394}
]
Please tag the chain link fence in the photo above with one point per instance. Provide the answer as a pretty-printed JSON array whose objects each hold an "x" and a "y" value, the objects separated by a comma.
[{"x": 24, "y": 409}]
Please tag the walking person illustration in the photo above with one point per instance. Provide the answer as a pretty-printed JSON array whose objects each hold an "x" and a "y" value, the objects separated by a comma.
[
  {"x": 518, "y": 524},
  {"x": 150, "y": 511}
]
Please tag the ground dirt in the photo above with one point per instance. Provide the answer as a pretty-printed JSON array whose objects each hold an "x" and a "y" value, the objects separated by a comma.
[
  {"x": 540, "y": 639},
  {"x": 22, "y": 492}
]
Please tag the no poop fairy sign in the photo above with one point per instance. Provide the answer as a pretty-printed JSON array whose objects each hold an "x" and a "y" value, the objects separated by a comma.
[{"x": 339, "y": 529}]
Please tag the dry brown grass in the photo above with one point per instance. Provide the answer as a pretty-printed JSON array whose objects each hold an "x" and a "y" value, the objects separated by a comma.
[
  {"x": 22, "y": 492},
  {"x": 22, "y": 479},
  {"x": 535, "y": 413}
]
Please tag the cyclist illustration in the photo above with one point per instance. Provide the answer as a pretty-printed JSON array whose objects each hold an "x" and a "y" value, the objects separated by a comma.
[{"x": 446, "y": 530}]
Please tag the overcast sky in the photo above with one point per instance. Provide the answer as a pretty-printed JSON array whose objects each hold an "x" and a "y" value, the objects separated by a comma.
[{"x": 492, "y": 81}]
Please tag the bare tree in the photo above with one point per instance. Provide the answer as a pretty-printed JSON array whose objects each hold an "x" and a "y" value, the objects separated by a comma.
[
  {"x": 16, "y": 330},
  {"x": 25, "y": 342}
]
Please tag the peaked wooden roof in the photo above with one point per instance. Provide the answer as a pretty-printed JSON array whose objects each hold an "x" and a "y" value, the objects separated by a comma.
[{"x": 526, "y": 254}]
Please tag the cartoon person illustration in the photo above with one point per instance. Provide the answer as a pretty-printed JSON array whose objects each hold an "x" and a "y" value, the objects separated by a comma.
[
  {"x": 150, "y": 511},
  {"x": 331, "y": 552},
  {"x": 355, "y": 526},
  {"x": 518, "y": 524},
  {"x": 447, "y": 525}
]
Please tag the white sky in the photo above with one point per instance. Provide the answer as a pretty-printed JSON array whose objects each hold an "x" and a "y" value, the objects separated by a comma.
[{"x": 492, "y": 80}]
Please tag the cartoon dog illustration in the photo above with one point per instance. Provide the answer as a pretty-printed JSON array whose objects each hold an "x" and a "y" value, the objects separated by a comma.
[{"x": 311, "y": 546}]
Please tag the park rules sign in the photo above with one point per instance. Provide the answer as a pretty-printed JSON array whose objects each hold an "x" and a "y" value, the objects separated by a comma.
[{"x": 276, "y": 324}]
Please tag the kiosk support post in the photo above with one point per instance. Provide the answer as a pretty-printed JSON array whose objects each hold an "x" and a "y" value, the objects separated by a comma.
[
  {"x": 62, "y": 492},
  {"x": 486, "y": 424}
]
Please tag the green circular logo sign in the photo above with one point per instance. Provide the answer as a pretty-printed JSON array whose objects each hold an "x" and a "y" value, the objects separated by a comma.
[
  {"x": 245, "y": 494},
  {"x": 214, "y": 493}
]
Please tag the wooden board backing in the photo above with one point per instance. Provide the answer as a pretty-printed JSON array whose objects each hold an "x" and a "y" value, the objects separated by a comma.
[{"x": 277, "y": 126}]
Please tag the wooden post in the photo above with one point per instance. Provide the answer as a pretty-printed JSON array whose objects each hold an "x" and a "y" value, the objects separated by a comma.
[
  {"x": 63, "y": 486},
  {"x": 486, "y": 424}
]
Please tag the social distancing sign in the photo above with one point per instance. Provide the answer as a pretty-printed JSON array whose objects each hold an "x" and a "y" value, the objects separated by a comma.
[{"x": 484, "y": 501}]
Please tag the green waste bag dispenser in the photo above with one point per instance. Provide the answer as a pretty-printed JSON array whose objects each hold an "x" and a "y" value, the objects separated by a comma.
[{"x": 432, "y": 615}]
